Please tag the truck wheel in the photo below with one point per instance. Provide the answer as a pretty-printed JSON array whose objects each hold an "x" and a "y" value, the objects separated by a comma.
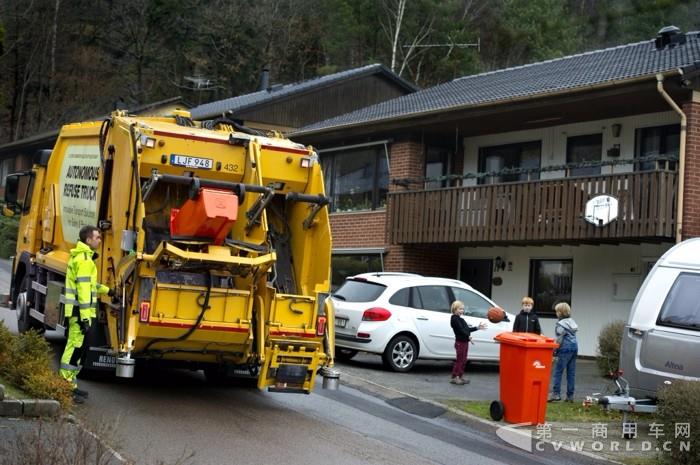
[
  {"x": 24, "y": 320},
  {"x": 344, "y": 354},
  {"x": 400, "y": 354}
]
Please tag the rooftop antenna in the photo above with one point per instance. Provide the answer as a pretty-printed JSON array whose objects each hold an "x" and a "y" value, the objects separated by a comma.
[{"x": 451, "y": 46}]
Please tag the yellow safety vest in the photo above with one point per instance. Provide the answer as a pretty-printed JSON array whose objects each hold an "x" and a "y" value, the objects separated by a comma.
[{"x": 82, "y": 288}]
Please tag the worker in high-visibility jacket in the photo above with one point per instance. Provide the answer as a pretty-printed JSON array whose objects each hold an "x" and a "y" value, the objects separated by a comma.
[{"x": 80, "y": 304}]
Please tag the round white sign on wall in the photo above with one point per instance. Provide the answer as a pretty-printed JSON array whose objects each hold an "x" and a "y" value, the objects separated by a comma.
[{"x": 601, "y": 210}]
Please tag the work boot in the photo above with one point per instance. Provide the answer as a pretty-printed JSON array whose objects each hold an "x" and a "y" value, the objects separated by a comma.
[
  {"x": 78, "y": 399},
  {"x": 80, "y": 393},
  {"x": 554, "y": 398},
  {"x": 569, "y": 399}
]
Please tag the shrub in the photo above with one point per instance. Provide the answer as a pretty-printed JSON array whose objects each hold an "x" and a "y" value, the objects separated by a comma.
[
  {"x": 25, "y": 361},
  {"x": 9, "y": 226},
  {"x": 679, "y": 403},
  {"x": 609, "y": 341}
]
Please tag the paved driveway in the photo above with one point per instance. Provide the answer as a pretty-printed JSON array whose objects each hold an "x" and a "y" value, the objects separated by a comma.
[{"x": 430, "y": 379}]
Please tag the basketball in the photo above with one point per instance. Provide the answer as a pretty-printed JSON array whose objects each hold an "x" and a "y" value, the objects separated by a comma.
[{"x": 495, "y": 314}]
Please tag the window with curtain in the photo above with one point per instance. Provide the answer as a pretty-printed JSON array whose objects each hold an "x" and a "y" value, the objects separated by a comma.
[
  {"x": 658, "y": 140},
  {"x": 436, "y": 165},
  {"x": 584, "y": 148},
  {"x": 520, "y": 155},
  {"x": 550, "y": 283}
]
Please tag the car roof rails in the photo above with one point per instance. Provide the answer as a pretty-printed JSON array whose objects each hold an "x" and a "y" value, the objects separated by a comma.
[{"x": 386, "y": 273}]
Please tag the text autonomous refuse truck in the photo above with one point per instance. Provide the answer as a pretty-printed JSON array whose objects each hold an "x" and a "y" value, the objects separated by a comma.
[{"x": 216, "y": 238}]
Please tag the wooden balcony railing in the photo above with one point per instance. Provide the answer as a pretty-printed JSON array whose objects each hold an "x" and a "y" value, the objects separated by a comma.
[{"x": 536, "y": 211}]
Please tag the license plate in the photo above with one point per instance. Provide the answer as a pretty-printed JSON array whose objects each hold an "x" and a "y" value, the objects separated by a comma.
[
  {"x": 341, "y": 322},
  {"x": 192, "y": 162}
]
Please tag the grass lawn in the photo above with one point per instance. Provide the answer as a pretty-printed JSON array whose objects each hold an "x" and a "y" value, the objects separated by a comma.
[
  {"x": 12, "y": 392},
  {"x": 556, "y": 411}
]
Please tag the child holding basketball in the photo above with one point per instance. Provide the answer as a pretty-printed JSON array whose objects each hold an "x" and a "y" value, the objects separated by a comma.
[{"x": 462, "y": 337}]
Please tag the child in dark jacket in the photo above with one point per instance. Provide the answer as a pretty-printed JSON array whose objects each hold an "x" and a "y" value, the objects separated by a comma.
[
  {"x": 526, "y": 321},
  {"x": 462, "y": 337}
]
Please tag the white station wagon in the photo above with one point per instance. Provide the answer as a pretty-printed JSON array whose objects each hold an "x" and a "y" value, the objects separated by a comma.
[{"x": 405, "y": 317}]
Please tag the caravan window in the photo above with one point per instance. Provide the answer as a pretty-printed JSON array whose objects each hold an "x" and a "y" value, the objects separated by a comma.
[{"x": 682, "y": 306}]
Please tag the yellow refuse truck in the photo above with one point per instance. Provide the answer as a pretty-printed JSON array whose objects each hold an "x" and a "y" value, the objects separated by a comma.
[{"x": 216, "y": 239}]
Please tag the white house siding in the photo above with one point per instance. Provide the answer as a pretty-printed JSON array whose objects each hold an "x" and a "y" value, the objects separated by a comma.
[
  {"x": 598, "y": 271},
  {"x": 554, "y": 141}
]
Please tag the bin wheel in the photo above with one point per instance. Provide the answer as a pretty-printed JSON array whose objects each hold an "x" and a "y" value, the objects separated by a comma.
[{"x": 497, "y": 410}]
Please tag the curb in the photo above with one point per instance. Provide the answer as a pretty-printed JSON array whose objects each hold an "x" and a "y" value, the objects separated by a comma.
[
  {"x": 27, "y": 407},
  {"x": 493, "y": 424}
]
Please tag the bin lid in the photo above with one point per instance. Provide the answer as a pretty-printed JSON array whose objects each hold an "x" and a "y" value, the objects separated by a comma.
[{"x": 526, "y": 340}]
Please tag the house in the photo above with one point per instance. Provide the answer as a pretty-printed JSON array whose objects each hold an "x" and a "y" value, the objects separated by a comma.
[
  {"x": 564, "y": 179},
  {"x": 281, "y": 107},
  {"x": 17, "y": 156},
  {"x": 284, "y": 107}
]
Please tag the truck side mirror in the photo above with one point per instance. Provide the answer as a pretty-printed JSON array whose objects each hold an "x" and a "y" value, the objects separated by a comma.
[{"x": 11, "y": 189}]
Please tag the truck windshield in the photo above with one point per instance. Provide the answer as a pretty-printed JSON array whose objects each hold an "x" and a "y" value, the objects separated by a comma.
[{"x": 682, "y": 306}]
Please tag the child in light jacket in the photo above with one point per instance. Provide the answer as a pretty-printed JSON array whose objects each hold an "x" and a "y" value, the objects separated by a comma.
[{"x": 565, "y": 330}]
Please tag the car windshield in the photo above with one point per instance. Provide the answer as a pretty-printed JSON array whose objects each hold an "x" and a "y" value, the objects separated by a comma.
[{"x": 359, "y": 291}]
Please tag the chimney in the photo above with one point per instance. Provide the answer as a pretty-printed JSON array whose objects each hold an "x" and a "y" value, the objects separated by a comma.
[
  {"x": 669, "y": 36},
  {"x": 264, "y": 79}
]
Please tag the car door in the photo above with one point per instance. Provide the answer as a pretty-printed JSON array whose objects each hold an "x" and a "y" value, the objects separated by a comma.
[
  {"x": 476, "y": 306},
  {"x": 432, "y": 315}
]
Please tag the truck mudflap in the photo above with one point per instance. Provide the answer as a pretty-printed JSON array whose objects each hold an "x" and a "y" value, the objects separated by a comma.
[{"x": 290, "y": 369}]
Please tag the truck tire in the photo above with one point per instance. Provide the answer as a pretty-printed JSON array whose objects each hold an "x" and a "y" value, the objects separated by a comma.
[
  {"x": 24, "y": 321},
  {"x": 400, "y": 354}
]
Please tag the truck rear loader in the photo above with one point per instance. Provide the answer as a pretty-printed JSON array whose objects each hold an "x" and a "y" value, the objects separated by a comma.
[{"x": 216, "y": 239}]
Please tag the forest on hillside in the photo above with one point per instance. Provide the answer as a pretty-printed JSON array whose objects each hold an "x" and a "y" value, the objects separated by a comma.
[{"x": 64, "y": 60}]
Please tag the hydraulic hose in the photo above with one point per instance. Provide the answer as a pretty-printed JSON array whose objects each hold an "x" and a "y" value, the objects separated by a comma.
[{"x": 205, "y": 307}]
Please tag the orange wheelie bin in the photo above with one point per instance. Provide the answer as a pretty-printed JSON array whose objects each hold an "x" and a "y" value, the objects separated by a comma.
[{"x": 525, "y": 368}]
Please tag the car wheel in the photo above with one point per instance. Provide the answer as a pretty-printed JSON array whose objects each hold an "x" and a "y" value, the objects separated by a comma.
[
  {"x": 400, "y": 354},
  {"x": 24, "y": 320},
  {"x": 343, "y": 354}
]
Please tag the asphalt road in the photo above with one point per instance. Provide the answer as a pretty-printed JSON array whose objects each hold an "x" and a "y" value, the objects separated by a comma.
[
  {"x": 174, "y": 416},
  {"x": 165, "y": 416}
]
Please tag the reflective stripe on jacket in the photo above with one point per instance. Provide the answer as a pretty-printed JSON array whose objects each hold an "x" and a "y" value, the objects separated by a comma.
[{"x": 82, "y": 287}]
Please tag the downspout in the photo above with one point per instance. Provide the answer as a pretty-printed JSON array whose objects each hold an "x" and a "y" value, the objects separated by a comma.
[{"x": 681, "y": 155}]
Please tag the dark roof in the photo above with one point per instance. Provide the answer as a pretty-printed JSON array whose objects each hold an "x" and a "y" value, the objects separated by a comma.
[
  {"x": 47, "y": 139},
  {"x": 571, "y": 73},
  {"x": 280, "y": 91}
]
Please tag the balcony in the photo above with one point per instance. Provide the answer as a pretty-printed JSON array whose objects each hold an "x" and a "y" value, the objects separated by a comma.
[{"x": 548, "y": 211}]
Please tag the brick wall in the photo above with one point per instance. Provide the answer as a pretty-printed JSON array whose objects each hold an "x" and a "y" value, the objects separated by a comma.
[
  {"x": 691, "y": 194},
  {"x": 428, "y": 260},
  {"x": 359, "y": 230},
  {"x": 407, "y": 161}
]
